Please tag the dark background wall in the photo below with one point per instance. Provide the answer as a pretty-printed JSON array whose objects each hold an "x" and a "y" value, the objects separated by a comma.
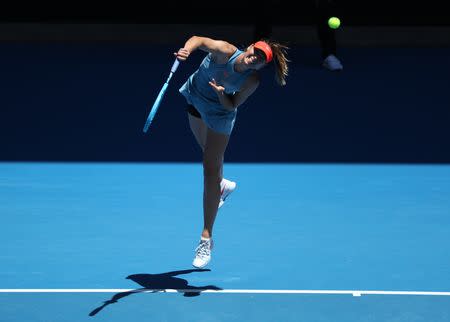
[
  {"x": 243, "y": 12},
  {"x": 76, "y": 100}
]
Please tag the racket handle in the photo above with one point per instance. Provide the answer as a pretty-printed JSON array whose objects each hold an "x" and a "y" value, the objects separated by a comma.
[{"x": 175, "y": 66}]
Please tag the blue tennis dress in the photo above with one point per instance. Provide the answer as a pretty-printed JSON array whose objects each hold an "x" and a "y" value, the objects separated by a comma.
[{"x": 201, "y": 95}]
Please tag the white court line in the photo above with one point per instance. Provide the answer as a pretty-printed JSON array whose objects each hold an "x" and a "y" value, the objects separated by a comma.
[{"x": 229, "y": 291}]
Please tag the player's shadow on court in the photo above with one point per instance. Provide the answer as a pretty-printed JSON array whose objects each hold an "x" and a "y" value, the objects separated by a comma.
[{"x": 156, "y": 283}]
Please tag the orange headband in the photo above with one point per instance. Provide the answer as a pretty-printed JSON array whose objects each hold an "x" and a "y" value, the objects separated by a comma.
[{"x": 262, "y": 45}]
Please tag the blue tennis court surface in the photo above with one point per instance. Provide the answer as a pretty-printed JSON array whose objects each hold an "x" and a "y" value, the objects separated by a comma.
[
  {"x": 341, "y": 213},
  {"x": 76, "y": 238}
]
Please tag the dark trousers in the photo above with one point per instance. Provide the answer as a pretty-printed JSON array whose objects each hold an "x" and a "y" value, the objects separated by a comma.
[
  {"x": 323, "y": 10},
  {"x": 327, "y": 36}
]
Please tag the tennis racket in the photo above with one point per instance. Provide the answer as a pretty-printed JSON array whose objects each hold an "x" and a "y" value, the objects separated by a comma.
[{"x": 160, "y": 96}]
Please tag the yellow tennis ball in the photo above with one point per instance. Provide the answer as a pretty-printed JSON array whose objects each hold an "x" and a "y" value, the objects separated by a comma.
[{"x": 334, "y": 22}]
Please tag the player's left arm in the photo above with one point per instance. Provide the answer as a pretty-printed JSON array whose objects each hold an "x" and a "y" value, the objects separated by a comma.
[{"x": 232, "y": 102}]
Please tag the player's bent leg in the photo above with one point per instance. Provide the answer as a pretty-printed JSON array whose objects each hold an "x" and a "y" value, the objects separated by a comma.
[{"x": 199, "y": 129}]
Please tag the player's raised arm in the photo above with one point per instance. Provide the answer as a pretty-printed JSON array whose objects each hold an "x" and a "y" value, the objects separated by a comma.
[{"x": 220, "y": 50}]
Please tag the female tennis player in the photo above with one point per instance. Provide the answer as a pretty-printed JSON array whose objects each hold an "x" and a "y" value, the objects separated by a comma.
[{"x": 226, "y": 77}]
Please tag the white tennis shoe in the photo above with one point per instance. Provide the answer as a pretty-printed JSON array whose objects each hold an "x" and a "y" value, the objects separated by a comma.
[
  {"x": 203, "y": 253},
  {"x": 226, "y": 188}
]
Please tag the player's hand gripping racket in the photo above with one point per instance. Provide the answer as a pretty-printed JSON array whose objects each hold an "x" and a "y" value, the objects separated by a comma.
[{"x": 160, "y": 96}]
